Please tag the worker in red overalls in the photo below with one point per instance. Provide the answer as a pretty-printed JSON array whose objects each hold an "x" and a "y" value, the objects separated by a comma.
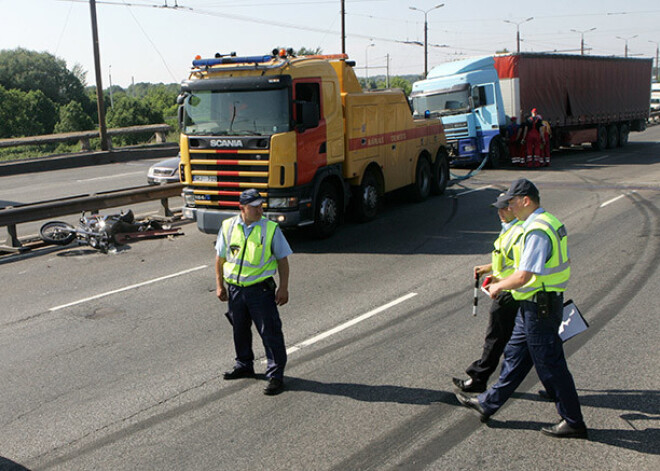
[{"x": 532, "y": 139}]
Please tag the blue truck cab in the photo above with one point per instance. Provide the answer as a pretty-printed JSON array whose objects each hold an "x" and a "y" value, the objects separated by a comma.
[{"x": 466, "y": 96}]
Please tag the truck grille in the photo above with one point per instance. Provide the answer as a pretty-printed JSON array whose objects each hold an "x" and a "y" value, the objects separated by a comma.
[{"x": 219, "y": 176}]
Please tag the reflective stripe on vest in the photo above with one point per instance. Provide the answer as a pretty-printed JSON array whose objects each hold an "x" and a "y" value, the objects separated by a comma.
[
  {"x": 248, "y": 261},
  {"x": 557, "y": 269},
  {"x": 501, "y": 260}
]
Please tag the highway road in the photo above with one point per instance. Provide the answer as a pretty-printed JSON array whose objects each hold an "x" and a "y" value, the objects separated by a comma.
[{"x": 115, "y": 361}]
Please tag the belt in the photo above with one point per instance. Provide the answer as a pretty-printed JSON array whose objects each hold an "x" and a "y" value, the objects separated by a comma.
[
  {"x": 268, "y": 282},
  {"x": 552, "y": 294}
]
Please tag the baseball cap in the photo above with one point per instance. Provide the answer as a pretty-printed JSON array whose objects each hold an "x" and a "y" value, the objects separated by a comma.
[
  {"x": 499, "y": 204},
  {"x": 251, "y": 197},
  {"x": 520, "y": 187},
  {"x": 533, "y": 110}
]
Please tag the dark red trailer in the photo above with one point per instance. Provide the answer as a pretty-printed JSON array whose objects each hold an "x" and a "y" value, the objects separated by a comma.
[{"x": 584, "y": 98}]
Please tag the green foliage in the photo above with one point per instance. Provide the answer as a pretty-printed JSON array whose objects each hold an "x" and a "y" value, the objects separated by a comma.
[
  {"x": 129, "y": 111},
  {"x": 25, "y": 114},
  {"x": 73, "y": 118}
]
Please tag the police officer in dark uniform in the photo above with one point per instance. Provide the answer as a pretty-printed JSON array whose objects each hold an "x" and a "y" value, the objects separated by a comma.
[
  {"x": 541, "y": 276},
  {"x": 250, "y": 251}
]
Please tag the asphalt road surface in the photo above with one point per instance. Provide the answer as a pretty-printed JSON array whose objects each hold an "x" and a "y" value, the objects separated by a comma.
[{"x": 114, "y": 362}]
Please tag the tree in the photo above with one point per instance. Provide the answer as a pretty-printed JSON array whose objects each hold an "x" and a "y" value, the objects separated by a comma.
[
  {"x": 73, "y": 118},
  {"x": 25, "y": 114},
  {"x": 129, "y": 111},
  {"x": 400, "y": 82}
]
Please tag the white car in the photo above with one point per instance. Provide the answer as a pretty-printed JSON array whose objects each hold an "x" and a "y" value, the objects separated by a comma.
[{"x": 166, "y": 171}]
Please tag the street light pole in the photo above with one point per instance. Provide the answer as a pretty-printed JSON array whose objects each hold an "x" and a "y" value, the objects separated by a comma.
[
  {"x": 426, "y": 35},
  {"x": 657, "y": 64},
  {"x": 343, "y": 28},
  {"x": 582, "y": 38},
  {"x": 625, "y": 53},
  {"x": 518, "y": 23},
  {"x": 366, "y": 64}
]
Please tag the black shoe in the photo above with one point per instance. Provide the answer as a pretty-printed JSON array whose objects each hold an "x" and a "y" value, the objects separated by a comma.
[
  {"x": 469, "y": 385},
  {"x": 473, "y": 403},
  {"x": 274, "y": 387},
  {"x": 564, "y": 430},
  {"x": 238, "y": 373},
  {"x": 545, "y": 395}
]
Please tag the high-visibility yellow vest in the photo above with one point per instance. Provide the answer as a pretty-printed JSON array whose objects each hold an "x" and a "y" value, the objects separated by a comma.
[
  {"x": 248, "y": 261},
  {"x": 557, "y": 269},
  {"x": 502, "y": 257}
]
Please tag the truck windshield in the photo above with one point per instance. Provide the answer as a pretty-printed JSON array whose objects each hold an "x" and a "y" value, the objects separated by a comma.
[
  {"x": 444, "y": 103},
  {"x": 236, "y": 113}
]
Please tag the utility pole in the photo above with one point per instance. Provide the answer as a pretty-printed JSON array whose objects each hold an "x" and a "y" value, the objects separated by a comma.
[
  {"x": 387, "y": 74},
  {"x": 343, "y": 27},
  {"x": 518, "y": 30},
  {"x": 426, "y": 34},
  {"x": 103, "y": 134},
  {"x": 581, "y": 33}
]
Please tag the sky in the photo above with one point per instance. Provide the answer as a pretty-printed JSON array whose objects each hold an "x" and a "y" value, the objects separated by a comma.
[{"x": 156, "y": 40}]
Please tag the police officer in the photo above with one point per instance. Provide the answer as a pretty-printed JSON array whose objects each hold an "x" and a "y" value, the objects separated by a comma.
[
  {"x": 250, "y": 250},
  {"x": 503, "y": 309},
  {"x": 542, "y": 273}
]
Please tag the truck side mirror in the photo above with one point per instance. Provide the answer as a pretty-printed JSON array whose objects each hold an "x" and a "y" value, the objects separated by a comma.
[{"x": 180, "y": 116}]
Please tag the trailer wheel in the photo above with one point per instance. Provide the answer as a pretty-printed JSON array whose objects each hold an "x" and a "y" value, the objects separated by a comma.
[
  {"x": 326, "y": 213},
  {"x": 624, "y": 131},
  {"x": 440, "y": 173},
  {"x": 495, "y": 153},
  {"x": 422, "y": 187},
  {"x": 612, "y": 136},
  {"x": 367, "y": 198},
  {"x": 601, "y": 139}
]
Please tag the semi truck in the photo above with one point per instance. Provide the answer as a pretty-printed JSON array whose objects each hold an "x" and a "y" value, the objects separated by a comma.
[
  {"x": 303, "y": 132},
  {"x": 591, "y": 99}
]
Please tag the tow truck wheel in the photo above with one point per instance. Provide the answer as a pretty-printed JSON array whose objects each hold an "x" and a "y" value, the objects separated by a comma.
[
  {"x": 422, "y": 187},
  {"x": 367, "y": 198},
  {"x": 326, "y": 213},
  {"x": 440, "y": 173}
]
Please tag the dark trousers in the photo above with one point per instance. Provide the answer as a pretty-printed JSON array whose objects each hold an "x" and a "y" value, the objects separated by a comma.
[
  {"x": 248, "y": 304},
  {"x": 502, "y": 317},
  {"x": 535, "y": 342}
]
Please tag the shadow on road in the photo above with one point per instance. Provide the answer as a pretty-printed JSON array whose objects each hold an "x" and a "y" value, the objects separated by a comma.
[
  {"x": 373, "y": 393},
  {"x": 9, "y": 465}
]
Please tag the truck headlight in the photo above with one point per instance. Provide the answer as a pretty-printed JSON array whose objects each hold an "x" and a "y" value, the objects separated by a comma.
[
  {"x": 469, "y": 148},
  {"x": 189, "y": 199},
  {"x": 286, "y": 202}
]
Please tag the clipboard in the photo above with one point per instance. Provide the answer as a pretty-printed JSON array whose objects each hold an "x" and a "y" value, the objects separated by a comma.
[{"x": 572, "y": 323}]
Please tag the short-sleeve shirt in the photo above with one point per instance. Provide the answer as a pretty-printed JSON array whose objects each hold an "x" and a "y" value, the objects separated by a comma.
[
  {"x": 281, "y": 248},
  {"x": 537, "y": 250}
]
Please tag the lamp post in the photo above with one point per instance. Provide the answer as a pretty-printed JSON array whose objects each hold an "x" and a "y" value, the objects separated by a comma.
[
  {"x": 657, "y": 64},
  {"x": 518, "y": 23},
  {"x": 625, "y": 54},
  {"x": 426, "y": 34},
  {"x": 581, "y": 33},
  {"x": 366, "y": 63}
]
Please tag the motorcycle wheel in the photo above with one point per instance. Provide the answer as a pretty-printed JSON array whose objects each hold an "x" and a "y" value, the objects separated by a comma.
[{"x": 58, "y": 233}]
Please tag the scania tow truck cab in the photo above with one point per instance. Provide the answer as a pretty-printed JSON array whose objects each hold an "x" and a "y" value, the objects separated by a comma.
[{"x": 302, "y": 132}]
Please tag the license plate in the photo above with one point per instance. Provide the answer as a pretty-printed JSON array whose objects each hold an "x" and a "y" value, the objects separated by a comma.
[{"x": 205, "y": 178}]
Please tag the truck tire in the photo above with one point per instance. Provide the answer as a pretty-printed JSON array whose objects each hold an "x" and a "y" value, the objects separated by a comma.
[
  {"x": 367, "y": 198},
  {"x": 440, "y": 173},
  {"x": 601, "y": 139},
  {"x": 326, "y": 212},
  {"x": 495, "y": 153},
  {"x": 624, "y": 131},
  {"x": 421, "y": 188},
  {"x": 612, "y": 136}
]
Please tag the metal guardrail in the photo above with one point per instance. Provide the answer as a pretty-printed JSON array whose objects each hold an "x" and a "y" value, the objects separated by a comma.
[
  {"x": 10, "y": 216},
  {"x": 159, "y": 130}
]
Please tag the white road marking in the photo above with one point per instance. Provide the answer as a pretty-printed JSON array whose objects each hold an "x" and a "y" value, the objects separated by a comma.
[
  {"x": 596, "y": 159},
  {"x": 348, "y": 324},
  {"x": 612, "y": 200},
  {"x": 138, "y": 285},
  {"x": 109, "y": 176},
  {"x": 476, "y": 189}
]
